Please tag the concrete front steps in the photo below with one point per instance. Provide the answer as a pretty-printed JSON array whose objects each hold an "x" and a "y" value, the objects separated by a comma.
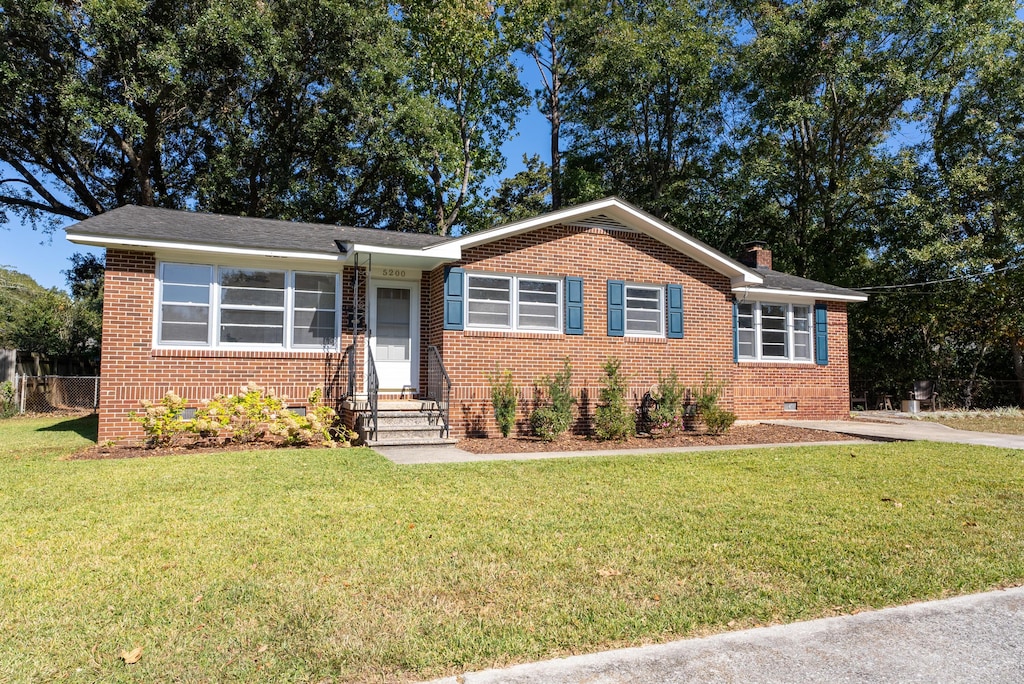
[{"x": 404, "y": 422}]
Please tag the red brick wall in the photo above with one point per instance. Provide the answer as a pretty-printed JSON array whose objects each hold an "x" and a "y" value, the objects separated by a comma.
[
  {"x": 132, "y": 370},
  {"x": 752, "y": 390}
]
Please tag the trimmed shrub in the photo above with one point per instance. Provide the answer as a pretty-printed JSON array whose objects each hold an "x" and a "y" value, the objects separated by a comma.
[
  {"x": 718, "y": 420},
  {"x": 667, "y": 419},
  {"x": 552, "y": 419},
  {"x": 161, "y": 420},
  {"x": 504, "y": 399},
  {"x": 253, "y": 415},
  {"x": 614, "y": 417},
  {"x": 8, "y": 406}
]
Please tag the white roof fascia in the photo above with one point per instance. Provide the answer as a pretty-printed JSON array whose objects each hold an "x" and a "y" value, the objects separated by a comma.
[
  {"x": 764, "y": 291},
  {"x": 101, "y": 241},
  {"x": 446, "y": 251},
  {"x": 634, "y": 218}
]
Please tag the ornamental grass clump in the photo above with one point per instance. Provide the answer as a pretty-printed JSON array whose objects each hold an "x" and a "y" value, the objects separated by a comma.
[
  {"x": 614, "y": 417},
  {"x": 551, "y": 419}
]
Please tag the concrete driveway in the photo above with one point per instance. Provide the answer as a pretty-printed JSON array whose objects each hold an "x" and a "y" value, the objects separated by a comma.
[
  {"x": 977, "y": 638},
  {"x": 908, "y": 429}
]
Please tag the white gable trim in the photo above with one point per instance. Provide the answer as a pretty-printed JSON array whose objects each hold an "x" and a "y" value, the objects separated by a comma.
[{"x": 629, "y": 216}]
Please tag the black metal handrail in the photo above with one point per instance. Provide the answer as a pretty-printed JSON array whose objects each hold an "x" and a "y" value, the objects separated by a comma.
[
  {"x": 372, "y": 389},
  {"x": 350, "y": 356},
  {"x": 439, "y": 386}
]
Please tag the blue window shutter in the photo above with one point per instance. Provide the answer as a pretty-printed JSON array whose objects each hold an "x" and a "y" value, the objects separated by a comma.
[
  {"x": 616, "y": 308},
  {"x": 735, "y": 331},
  {"x": 454, "y": 298},
  {"x": 820, "y": 334},
  {"x": 573, "y": 305},
  {"x": 674, "y": 307}
]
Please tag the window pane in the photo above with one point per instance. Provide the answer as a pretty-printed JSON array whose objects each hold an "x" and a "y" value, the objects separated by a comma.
[
  {"x": 746, "y": 344},
  {"x": 801, "y": 318},
  {"x": 183, "y": 332},
  {"x": 183, "y": 313},
  {"x": 538, "y": 305},
  {"x": 643, "y": 310},
  {"x": 314, "y": 282},
  {"x": 489, "y": 302},
  {"x": 186, "y": 274},
  {"x": 188, "y": 294},
  {"x": 252, "y": 288},
  {"x": 252, "y": 334},
  {"x": 313, "y": 328},
  {"x": 314, "y": 300},
  {"x": 745, "y": 316},
  {"x": 802, "y": 345}
]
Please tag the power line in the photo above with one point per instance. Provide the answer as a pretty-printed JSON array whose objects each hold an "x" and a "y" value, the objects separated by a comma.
[{"x": 966, "y": 276}]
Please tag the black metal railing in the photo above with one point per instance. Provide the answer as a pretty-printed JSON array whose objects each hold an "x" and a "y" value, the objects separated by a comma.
[
  {"x": 372, "y": 390},
  {"x": 349, "y": 359},
  {"x": 439, "y": 387}
]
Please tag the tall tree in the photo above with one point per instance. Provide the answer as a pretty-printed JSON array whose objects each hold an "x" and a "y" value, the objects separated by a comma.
[
  {"x": 646, "y": 118},
  {"x": 461, "y": 63}
]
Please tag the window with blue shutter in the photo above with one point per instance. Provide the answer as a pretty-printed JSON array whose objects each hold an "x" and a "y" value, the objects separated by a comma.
[
  {"x": 573, "y": 305},
  {"x": 735, "y": 331},
  {"x": 616, "y": 308},
  {"x": 674, "y": 309},
  {"x": 820, "y": 334},
  {"x": 454, "y": 298}
]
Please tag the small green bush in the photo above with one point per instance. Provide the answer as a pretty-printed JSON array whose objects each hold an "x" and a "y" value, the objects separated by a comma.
[
  {"x": 504, "y": 399},
  {"x": 718, "y": 420},
  {"x": 552, "y": 419},
  {"x": 8, "y": 406},
  {"x": 162, "y": 420},
  {"x": 614, "y": 417},
  {"x": 710, "y": 391},
  {"x": 671, "y": 397}
]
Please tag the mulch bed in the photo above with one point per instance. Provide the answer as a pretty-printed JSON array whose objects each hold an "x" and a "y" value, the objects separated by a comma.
[{"x": 738, "y": 435}]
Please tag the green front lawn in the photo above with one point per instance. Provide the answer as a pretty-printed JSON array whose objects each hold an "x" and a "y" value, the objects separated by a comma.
[
  {"x": 1006, "y": 422},
  {"x": 336, "y": 565}
]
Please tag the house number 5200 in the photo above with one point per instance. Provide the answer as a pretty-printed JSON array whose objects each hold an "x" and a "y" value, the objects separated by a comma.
[{"x": 392, "y": 272}]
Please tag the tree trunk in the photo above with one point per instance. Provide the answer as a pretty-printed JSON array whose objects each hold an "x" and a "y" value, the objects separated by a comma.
[{"x": 1018, "y": 366}]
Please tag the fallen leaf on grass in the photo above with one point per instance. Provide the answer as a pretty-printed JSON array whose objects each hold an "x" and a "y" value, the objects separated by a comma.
[{"x": 131, "y": 657}]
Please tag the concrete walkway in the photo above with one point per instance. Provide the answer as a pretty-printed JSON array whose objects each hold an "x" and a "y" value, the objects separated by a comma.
[
  {"x": 976, "y": 638},
  {"x": 886, "y": 427},
  {"x": 900, "y": 428}
]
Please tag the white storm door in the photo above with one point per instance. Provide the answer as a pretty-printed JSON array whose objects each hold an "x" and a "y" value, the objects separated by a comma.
[{"x": 394, "y": 333}]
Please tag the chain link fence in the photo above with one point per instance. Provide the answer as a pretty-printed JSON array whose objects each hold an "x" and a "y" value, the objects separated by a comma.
[{"x": 55, "y": 393}]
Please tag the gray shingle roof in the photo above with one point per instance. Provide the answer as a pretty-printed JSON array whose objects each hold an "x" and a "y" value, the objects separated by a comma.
[
  {"x": 151, "y": 223},
  {"x": 776, "y": 280}
]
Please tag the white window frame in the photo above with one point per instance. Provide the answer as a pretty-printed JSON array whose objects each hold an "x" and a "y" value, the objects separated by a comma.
[
  {"x": 514, "y": 301},
  {"x": 660, "y": 290},
  {"x": 790, "y": 333},
  {"x": 215, "y": 307}
]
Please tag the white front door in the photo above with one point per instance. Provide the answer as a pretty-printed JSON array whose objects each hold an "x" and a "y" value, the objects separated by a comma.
[{"x": 394, "y": 333}]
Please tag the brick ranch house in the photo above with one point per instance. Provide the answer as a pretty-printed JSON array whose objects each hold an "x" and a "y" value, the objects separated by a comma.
[{"x": 201, "y": 303}]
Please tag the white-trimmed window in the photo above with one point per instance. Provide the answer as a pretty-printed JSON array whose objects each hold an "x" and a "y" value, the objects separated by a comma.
[
  {"x": 210, "y": 306},
  {"x": 770, "y": 331},
  {"x": 645, "y": 310},
  {"x": 500, "y": 302}
]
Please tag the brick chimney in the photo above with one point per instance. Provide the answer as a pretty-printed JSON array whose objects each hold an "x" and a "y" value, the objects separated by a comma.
[{"x": 756, "y": 255}]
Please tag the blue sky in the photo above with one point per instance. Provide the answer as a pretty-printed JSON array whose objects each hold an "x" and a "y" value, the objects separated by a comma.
[{"x": 44, "y": 256}]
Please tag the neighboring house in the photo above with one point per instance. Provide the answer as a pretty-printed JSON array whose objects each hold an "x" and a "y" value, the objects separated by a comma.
[{"x": 201, "y": 303}]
